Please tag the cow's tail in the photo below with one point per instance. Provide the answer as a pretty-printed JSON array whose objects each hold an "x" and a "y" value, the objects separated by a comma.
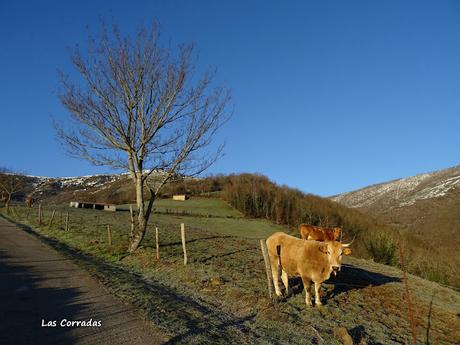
[{"x": 278, "y": 252}]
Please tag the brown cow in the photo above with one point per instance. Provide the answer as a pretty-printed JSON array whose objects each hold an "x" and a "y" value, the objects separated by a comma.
[
  {"x": 318, "y": 233},
  {"x": 311, "y": 260}
]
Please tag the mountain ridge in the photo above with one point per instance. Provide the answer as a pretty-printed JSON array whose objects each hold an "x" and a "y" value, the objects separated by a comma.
[
  {"x": 403, "y": 191},
  {"x": 425, "y": 209}
]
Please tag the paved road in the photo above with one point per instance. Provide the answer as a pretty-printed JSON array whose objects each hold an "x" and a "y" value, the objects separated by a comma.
[{"x": 38, "y": 285}]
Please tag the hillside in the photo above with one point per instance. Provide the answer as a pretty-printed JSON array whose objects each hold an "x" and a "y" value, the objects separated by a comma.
[
  {"x": 403, "y": 192},
  {"x": 112, "y": 188},
  {"x": 422, "y": 205},
  {"x": 425, "y": 207}
]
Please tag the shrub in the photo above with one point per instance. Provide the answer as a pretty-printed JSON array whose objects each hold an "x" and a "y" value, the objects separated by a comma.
[
  {"x": 433, "y": 271},
  {"x": 383, "y": 248}
]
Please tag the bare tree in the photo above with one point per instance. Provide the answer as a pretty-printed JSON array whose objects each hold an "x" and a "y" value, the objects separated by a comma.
[
  {"x": 141, "y": 108},
  {"x": 10, "y": 184}
]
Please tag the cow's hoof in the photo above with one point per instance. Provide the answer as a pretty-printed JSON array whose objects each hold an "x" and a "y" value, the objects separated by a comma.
[
  {"x": 318, "y": 304},
  {"x": 278, "y": 298}
]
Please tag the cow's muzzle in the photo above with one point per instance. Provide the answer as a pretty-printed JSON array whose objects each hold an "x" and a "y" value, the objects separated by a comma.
[{"x": 335, "y": 269}]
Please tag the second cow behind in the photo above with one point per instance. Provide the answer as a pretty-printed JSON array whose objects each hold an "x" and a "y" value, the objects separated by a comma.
[{"x": 317, "y": 233}]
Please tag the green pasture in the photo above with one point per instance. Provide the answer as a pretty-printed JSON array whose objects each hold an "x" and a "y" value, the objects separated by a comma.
[
  {"x": 199, "y": 207},
  {"x": 223, "y": 288}
]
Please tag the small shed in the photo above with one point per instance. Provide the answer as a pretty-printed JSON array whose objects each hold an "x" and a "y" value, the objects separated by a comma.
[
  {"x": 110, "y": 207},
  {"x": 93, "y": 205},
  {"x": 74, "y": 204},
  {"x": 181, "y": 197}
]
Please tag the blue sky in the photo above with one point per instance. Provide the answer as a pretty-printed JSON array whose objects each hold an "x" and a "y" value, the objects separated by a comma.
[{"x": 329, "y": 96}]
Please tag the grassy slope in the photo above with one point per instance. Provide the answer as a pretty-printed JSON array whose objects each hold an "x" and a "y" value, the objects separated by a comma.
[
  {"x": 196, "y": 206},
  {"x": 222, "y": 292},
  {"x": 433, "y": 226},
  {"x": 212, "y": 214},
  {"x": 213, "y": 207}
]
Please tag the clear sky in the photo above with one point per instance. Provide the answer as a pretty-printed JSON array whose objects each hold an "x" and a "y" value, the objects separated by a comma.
[{"x": 329, "y": 96}]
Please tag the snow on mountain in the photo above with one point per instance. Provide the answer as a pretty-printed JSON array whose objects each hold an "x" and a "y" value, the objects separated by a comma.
[
  {"x": 42, "y": 187},
  {"x": 403, "y": 192}
]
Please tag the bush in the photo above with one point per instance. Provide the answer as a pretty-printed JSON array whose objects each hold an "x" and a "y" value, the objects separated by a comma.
[
  {"x": 383, "y": 248},
  {"x": 433, "y": 271}
]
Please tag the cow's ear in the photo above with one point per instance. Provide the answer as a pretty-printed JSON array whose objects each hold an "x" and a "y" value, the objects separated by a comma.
[
  {"x": 346, "y": 251},
  {"x": 323, "y": 248}
]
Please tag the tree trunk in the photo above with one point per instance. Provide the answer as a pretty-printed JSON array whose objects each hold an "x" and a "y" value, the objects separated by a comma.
[
  {"x": 7, "y": 204},
  {"x": 133, "y": 224},
  {"x": 142, "y": 215}
]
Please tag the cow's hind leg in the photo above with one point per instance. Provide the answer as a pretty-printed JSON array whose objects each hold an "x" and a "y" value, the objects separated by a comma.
[
  {"x": 306, "y": 285},
  {"x": 285, "y": 279},
  {"x": 276, "y": 275},
  {"x": 317, "y": 299}
]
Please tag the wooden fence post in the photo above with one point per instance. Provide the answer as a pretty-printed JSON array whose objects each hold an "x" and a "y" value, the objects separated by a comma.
[
  {"x": 39, "y": 214},
  {"x": 182, "y": 235},
  {"x": 67, "y": 221},
  {"x": 109, "y": 235},
  {"x": 13, "y": 210},
  {"x": 157, "y": 243},
  {"x": 268, "y": 269},
  {"x": 52, "y": 218}
]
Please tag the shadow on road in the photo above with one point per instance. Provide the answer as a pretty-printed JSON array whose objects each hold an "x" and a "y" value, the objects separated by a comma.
[
  {"x": 24, "y": 303},
  {"x": 188, "y": 318}
]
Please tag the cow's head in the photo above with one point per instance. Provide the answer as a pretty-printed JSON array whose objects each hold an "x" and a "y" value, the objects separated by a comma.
[
  {"x": 335, "y": 251},
  {"x": 337, "y": 232}
]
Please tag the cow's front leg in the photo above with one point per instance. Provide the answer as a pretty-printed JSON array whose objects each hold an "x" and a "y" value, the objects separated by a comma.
[
  {"x": 317, "y": 299},
  {"x": 306, "y": 286}
]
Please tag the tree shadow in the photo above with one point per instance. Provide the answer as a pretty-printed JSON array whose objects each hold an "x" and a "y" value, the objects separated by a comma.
[{"x": 25, "y": 302}]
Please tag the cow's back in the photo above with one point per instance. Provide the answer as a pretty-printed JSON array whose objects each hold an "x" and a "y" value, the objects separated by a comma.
[
  {"x": 297, "y": 256},
  {"x": 306, "y": 230},
  {"x": 317, "y": 233}
]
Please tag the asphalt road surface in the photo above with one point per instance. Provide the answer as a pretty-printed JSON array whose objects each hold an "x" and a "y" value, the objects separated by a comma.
[{"x": 38, "y": 286}]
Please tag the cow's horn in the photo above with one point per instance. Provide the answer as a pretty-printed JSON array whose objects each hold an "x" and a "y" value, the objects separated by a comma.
[{"x": 346, "y": 245}]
